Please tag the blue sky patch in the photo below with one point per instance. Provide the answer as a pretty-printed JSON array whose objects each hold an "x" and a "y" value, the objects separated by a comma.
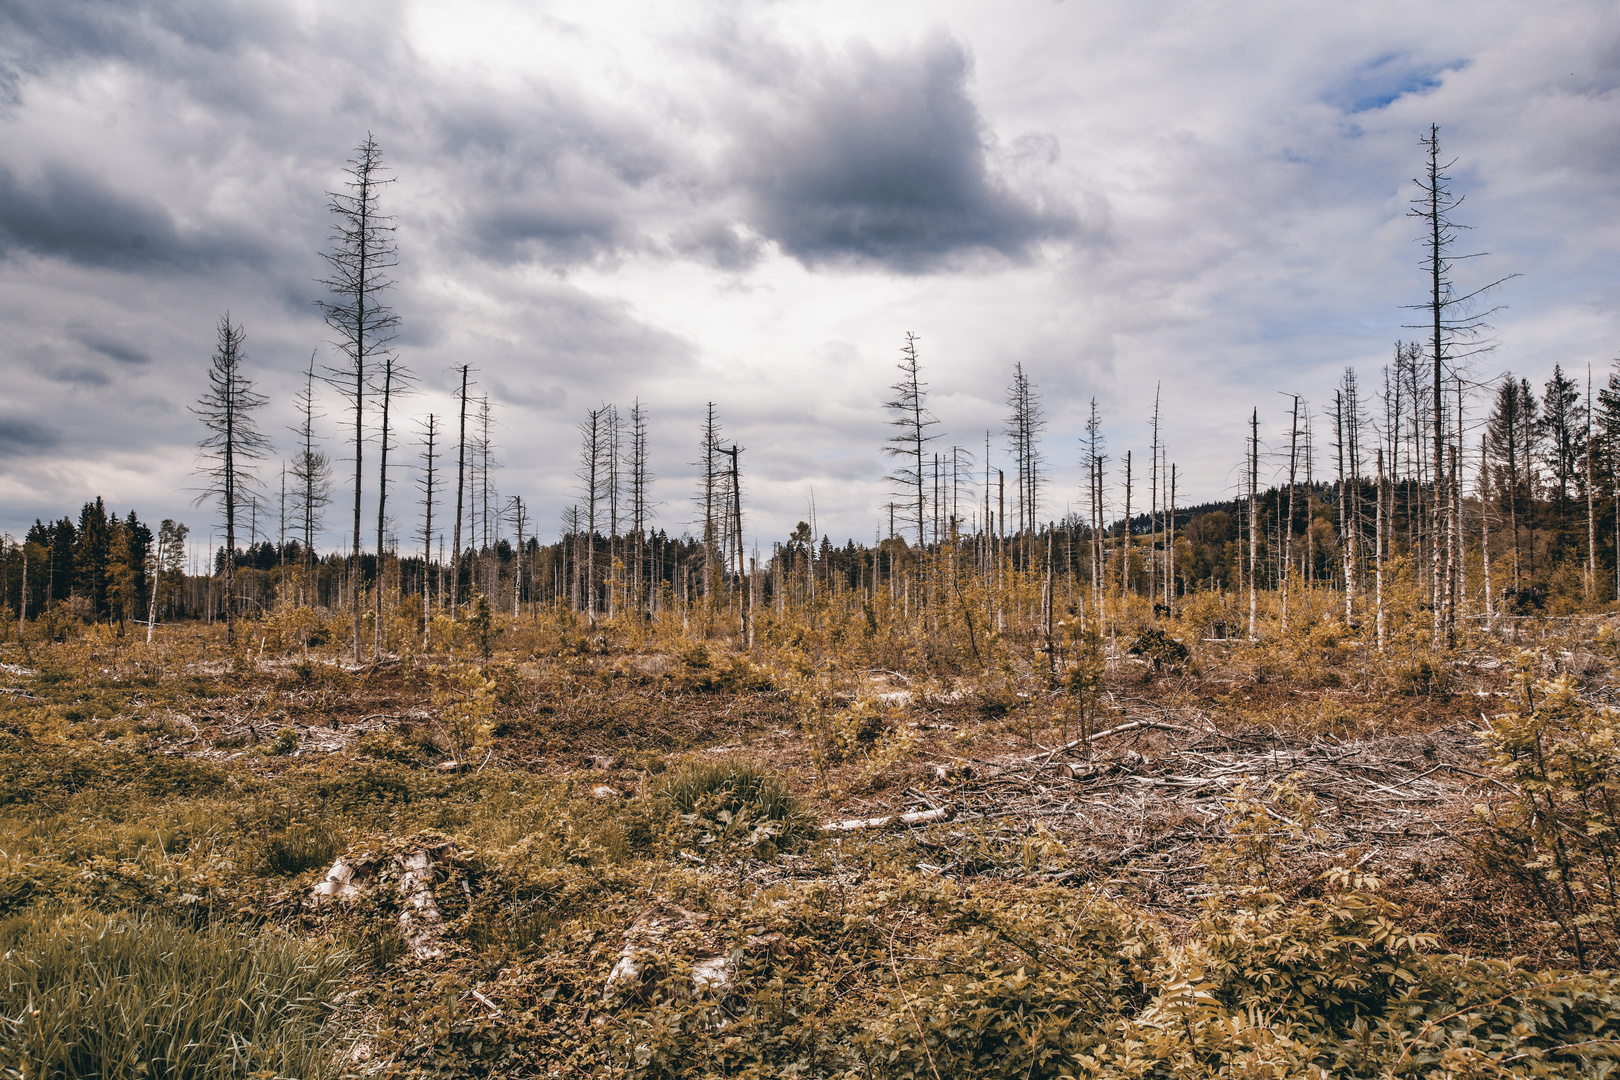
[{"x": 1376, "y": 84}]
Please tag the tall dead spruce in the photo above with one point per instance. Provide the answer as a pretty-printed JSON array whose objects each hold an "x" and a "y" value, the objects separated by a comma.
[
  {"x": 232, "y": 444},
  {"x": 362, "y": 254},
  {"x": 1454, "y": 328},
  {"x": 909, "y": 416}
]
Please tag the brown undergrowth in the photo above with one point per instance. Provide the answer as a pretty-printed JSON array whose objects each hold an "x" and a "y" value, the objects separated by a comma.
[{"x": 1242, "y": 861}]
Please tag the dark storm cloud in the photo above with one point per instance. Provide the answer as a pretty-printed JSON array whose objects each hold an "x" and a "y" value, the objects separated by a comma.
[
  {"x": 885, "y": 159},
  {"x": 218, "y": 50},
  {"x": 67, "y": 214},
  {"x": 717, "y": 243},
  {"x": 125, "y": 354},
  {"x": 20, "y": 437},
  {"x": 549, "y": 177}
]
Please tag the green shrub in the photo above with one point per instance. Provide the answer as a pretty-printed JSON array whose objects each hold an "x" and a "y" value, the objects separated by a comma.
[
  {"x": 128, "y": 996},
  {"x": 1558, "y": 835}
]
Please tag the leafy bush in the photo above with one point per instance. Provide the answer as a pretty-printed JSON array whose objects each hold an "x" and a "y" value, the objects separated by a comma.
[
  {"x": 1559, "y": 834},
  {"x": 466, "y": 703},
  {"x": 124, "y": 996}
]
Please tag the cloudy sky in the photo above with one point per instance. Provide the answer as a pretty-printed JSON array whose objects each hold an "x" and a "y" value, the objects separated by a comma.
[{"x": 752, "y": 203}]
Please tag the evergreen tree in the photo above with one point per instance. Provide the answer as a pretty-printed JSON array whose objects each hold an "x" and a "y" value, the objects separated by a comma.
[
  {"x": 1563, "y": 426},
  {"x": 91, "y": 554},
  {"x": 128, "y": 588},
  {"x": 64, "y": 539},
  {"x": 1506, "y": 469},
  {"x": 171, "y": 556}
]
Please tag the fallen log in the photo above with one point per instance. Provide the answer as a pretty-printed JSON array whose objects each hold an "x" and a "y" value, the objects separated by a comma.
[
  {"x": 919, "y": 817},
  {"x": 419, "y": 918}
]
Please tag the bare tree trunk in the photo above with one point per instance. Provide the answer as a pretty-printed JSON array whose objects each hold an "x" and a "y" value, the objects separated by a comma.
[
  {"x": 461, "y": 501},
  {"x": 1378, "y": 547},
  {"x": 1254, "y": 516},
  {"x": 591, "y": 452},
  {"x": 1172, "y": 565},
  {"x": 1485, "y": 539},
  {"x": 390, "y": 374},
  {"x": 1153, "y": 505},
  {"x": 1125, "y": 558},
  {"x": 742, "y": 567},
  {"x": 1293, "y": 487},
  {"x": 1344, "y": 512},
  {"x": 427, "y": 531},
  {"x": 1591, "y": 505}
]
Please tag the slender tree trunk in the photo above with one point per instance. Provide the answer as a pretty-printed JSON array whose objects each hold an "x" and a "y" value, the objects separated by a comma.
[
  {"x": 1293, "y": 487},
  {"x": 1591, "y": 504},
  {"x": 359, "y": 425},
  {"x": 1437, "y": 308},
  {"x": 1254, "y": 517},
  {"x": 427, "y": 535},
  {"x": 1344, "y": 513},
  {"x": 1125, "y": 558},
  {"x": 1378, "y": 548},
  {"x": 461, "y": 501},
  {"x": 1485, "y": 540}
]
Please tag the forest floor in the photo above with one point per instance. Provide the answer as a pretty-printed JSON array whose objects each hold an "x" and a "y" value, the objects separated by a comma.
[{"x": 240, "y": 779}]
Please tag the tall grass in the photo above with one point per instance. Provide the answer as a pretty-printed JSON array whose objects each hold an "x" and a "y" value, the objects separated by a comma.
[{"x": 126, "y": 996}]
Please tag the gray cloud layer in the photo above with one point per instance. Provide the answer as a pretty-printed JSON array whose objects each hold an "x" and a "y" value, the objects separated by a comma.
[
  {"x": 753, "y": 206},
  {"x": 883, "y": 159}
]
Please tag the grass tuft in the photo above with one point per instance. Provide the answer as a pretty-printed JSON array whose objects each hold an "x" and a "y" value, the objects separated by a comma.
[{"x": 126, "y": 996}]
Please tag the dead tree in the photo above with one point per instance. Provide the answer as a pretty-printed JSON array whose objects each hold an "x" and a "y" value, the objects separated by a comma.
[
  {"x": 1293, "y": 490},
  {"x": 639, "y": 478},
  {"x": 1023, "y": 429},
  {"x": 1153, "y": 504},
  {"x": 1453, "y": 322},
  {"x": 734, "y": 526},
  {"x": 1254, "y": 514},
  {"x": 488, "y": 518},
  {"x": 615, "y": 448},
  {"x": 709, "y": 496},
  {"x": 461, "y": 498},
  {"x": 230, "y": 447},
  {"x": 909, "y": 416},
  {"x": 592, "y": 434},
  {"x": 362, "y": 254},
  {"x": 519, "y": 522},
  {"x": 1125, "y": 538},
  {"x": 1094, "y": 474},
  {"x": 312, "y": 471},
  {"x": 428, "y": 480},
  {"x": 395, "y": 378}
]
